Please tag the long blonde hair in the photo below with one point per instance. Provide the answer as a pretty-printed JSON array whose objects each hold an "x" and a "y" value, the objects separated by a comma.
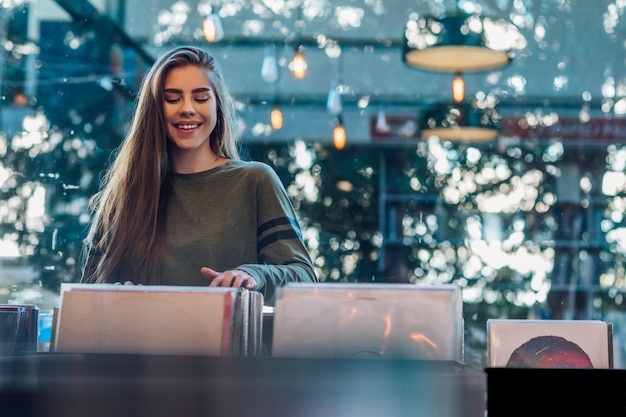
[{"x": 128, "y": 223}]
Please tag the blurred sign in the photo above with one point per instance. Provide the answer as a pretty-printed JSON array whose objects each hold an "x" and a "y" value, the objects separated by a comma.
[
  {"x": 400, "y": 127},
  {"x": 568, "y": 128}
]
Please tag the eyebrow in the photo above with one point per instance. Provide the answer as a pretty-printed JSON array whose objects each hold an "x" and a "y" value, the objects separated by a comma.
[{"x": 194, "y": 91}]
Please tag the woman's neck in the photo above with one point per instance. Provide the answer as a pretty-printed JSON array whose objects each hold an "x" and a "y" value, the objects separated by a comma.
[{"x": 184, "y": 162}]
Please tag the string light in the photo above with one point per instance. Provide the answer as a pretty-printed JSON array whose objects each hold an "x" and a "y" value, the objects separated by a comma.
[
  {"x": 276, "y": 117},
  {"x": 298, "y": 64},
  {"x": 269, "y": 69},
  {"x": 333, "y": 103},
  {"x": 458, "y": 88},
  {"x": 270, "y": 74},
  {"x": 339, "y": 134},
  {"x": 212, "y": 28}
]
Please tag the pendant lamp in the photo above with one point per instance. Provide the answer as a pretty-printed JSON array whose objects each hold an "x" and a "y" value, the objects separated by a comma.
[
  {"x": 457, "y": 43},
  {"x": 464, "y": 121}
]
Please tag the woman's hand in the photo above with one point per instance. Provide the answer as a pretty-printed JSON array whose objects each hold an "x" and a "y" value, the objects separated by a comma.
[{"x": 231, "y": 278}]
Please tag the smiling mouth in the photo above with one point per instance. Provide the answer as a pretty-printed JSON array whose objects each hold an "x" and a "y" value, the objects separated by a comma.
[{"x": 187, "y": 126}]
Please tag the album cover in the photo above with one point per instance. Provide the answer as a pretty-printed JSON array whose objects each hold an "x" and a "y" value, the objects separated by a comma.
[{"x": 549, "y": 344}]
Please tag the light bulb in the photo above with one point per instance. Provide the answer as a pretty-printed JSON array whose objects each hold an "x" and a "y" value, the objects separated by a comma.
[
  {"x": 458, "y": 88},
  {"x": 333, "y": 103},
  {"x": 212, "y": 28},
  {"x": 276, "y": 117},
  {"x": 298, "y": 64},
  {"x": 381, "y": 123},
  {"x": 269, "y": 69},
  {"x": 339, "y": 135}
]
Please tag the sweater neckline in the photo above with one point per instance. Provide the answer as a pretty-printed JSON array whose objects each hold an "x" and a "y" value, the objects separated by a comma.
[{"x": 215, "y": 169}]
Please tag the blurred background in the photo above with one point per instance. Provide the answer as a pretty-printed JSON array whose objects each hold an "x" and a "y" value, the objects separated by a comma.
[{"x": 514, "y": 190}]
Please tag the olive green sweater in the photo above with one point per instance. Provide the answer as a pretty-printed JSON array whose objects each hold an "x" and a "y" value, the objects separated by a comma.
[{"x": 235, "y": 216}]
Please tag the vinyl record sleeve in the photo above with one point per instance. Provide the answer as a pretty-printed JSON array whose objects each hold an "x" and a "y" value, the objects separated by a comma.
[
  {"x": 12, "y": 321},
  {"x": 369, "y": 321},
  {"x": 109, "y": 318},
  {"x": 549, "y": 343}
]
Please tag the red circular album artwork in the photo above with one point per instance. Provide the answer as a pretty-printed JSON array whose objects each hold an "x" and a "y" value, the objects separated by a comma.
[{"x": 549, "y": 352}]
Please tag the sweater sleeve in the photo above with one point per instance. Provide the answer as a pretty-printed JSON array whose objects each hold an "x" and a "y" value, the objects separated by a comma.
[{"x": 282, "y": 254}]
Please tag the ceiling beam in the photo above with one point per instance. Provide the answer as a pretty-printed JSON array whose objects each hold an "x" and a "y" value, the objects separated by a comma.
[{"x": 84, "y": 13}]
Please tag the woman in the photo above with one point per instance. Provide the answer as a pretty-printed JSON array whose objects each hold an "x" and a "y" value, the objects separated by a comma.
[{"x": 178, "y": 206}]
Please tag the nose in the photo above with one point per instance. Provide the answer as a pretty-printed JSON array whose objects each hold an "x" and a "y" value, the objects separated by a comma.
[{"x": 187, "y": 106}]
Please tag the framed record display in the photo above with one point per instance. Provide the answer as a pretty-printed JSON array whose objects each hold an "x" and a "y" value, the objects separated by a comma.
[
  {"x": 383, "y": 321},
  {"x": 584, "y": 344}
]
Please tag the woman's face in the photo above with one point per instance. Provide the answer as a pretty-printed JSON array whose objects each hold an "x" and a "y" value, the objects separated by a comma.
[{"x": 190, "y": 110}]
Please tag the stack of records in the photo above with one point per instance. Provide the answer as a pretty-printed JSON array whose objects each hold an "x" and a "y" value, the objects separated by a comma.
[
  {"x": 18, "y": 329},
  {"x": 361, "y": 320},
  {"x": 158, "y": 319}
]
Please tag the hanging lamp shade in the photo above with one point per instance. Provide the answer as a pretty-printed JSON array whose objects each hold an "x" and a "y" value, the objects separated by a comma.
[
  {"x": 458, "y": 42},
  {"x": 463, "y": 121}
]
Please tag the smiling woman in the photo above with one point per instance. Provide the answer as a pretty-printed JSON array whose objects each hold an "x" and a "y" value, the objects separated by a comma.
[{"x": 151, "y": 223}]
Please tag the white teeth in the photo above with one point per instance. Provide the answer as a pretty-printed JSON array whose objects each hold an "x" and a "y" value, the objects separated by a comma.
[{"x": 187, "y": 126}]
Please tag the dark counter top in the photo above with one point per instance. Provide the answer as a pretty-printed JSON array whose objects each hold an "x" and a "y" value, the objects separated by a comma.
[{"x": 56, "y": 384}]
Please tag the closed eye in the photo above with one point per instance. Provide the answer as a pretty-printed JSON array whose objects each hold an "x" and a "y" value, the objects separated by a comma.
[
  {"x": 176, "y": 99},
  {"x": 199, "y": 95}
]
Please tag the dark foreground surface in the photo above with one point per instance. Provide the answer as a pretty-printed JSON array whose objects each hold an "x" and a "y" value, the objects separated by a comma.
[{"x": 56, "y": 384}]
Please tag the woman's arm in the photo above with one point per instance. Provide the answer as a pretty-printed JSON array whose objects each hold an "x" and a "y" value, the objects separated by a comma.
[{"x": 283, "y": 256}]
